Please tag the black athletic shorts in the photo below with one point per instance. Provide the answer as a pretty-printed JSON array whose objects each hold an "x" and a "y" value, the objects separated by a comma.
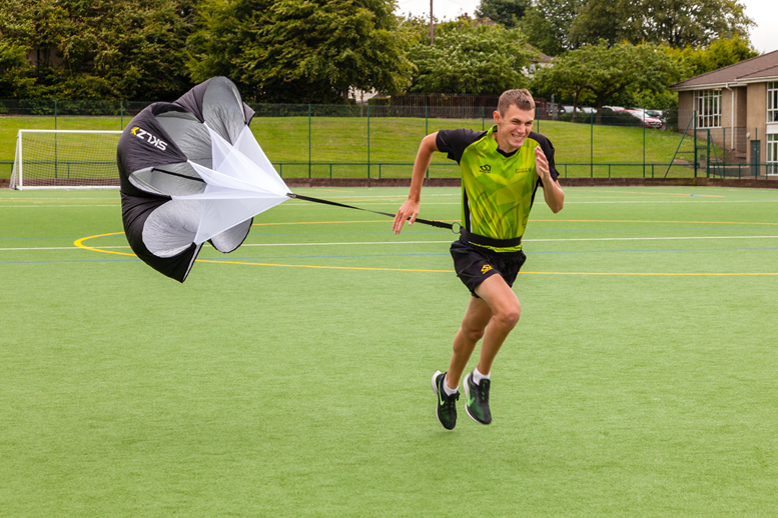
[{"x": 474, "y": 264}]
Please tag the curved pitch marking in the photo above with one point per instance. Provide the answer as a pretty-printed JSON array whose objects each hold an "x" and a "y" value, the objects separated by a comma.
[{"x": 80, "y": 244}]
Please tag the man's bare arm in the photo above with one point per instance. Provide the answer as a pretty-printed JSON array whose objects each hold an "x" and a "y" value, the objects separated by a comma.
[
  {"x": 410, "y": 209},
  {"x": 552, "y": 192}
]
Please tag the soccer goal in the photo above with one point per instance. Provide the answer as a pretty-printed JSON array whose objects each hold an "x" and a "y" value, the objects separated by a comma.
[{"x": 65, "y": 159}]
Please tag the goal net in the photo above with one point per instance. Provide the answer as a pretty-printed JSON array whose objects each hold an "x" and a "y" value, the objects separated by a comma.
[{"x": 65, "y": 159}]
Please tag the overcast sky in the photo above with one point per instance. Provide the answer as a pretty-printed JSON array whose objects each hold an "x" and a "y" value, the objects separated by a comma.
[{"x": 763, "y": 36}]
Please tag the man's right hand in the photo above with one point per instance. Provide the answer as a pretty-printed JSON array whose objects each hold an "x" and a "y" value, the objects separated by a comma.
[{"x": 408, "y": 212}]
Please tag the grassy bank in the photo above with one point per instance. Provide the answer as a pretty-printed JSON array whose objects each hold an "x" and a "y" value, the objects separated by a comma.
[{"x": 342, "y": 146}]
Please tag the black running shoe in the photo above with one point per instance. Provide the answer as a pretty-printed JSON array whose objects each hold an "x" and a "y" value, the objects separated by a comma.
[
  {"x": 446, "y": 408},
  {"x": 477, "y": 406}
]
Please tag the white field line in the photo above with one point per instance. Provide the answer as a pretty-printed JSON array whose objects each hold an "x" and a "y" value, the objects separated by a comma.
[
  {"x": 694, "y": 200},
  {"x": 571, "y": 202},
  {"x": 396, "y": 204},
  {"x": 45, "y": 206},
  {"x": 420, "y": 242}
]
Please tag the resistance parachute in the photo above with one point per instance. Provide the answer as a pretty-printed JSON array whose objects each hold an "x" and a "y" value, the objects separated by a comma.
[{"x": 191, "y": 171}]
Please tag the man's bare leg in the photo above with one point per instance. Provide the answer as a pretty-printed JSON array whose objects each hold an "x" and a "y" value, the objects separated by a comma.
[
  {"x": 492, "y": 317},
  {"x": 506, "y": 311},
  {"x": 474, "y": 322}
]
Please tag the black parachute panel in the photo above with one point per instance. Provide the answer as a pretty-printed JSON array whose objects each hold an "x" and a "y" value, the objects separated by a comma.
[{"x": 191, "y": 171}]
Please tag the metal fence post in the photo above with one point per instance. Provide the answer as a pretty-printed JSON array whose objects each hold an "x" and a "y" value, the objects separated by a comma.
[
  {"x": 309, "y": 140},
  {"x": 724, "y": 151},
  {"x": 758, "y": 154},
  {"x": 121, "y": 116},
  {"x": 644, "y": 143},
  {"x": 694, "y": 117},
  {"x": 591, "y": 144},
  {"x": 368, "y": 141},
  {"x": 427, "y": 130},
  {"x": 55, "y": 139}
]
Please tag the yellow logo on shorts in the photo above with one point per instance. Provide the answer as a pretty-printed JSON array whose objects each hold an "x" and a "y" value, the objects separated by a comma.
[{"x": 485, "y": 268}]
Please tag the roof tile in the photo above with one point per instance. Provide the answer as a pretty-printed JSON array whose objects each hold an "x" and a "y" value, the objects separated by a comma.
[{"x": 764, "y": 66}]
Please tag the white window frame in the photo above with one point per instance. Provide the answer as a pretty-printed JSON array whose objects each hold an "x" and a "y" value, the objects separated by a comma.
[
  {"x": 708, "y": 106},
  {"x": 772, "y": 102},
  {"x": 772, "y": 154}
]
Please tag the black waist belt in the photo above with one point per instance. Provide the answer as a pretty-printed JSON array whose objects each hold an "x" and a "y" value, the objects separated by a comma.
[{"x": 488, "y": 241}]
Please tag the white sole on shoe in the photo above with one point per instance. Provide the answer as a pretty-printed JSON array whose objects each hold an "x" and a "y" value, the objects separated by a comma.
[
  {"x": 437, "y": 396},
  {"x": 435, "y": 385},
  {"x": 466, "y": 386}
]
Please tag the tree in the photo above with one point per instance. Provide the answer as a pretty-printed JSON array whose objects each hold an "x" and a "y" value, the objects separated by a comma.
[
  {"x": 505, "y": 12},
  {"x": 607, "y": 72},
  {"x": 15, "y": 80},
  {"x": 297, "y": 51},
  {"x": 470, "y": 59},
  {"x": 108, "y": 49},
  {"x": 555, "y": 26},
  {"x": 679, "y": 23},
  {"x": 597, "y": 20},
  {"x": 720, "y": 53},
  {"x": 691, "y": 22},
  {"x": 567, "y": 76},
  {"x": 547, "y": 25}
]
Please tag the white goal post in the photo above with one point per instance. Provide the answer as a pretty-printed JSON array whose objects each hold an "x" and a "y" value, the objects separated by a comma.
[{"x": 65, "y": 159}]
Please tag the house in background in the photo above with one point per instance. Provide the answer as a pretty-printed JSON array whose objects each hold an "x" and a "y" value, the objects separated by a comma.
[{"x": 738, "y": 104}]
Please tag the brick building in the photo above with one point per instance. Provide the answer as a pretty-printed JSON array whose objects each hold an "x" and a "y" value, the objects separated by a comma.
[{"x": 738, "y": 104}]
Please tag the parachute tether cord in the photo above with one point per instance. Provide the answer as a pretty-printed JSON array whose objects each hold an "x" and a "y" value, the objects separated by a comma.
[{"x": 433, "y": 223}]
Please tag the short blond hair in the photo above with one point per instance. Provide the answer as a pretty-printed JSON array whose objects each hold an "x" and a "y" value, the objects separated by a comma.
[{"x": 520, "y": 97}]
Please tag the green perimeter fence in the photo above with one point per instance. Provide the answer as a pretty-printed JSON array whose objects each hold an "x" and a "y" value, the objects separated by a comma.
[{"x": 365, "y": 141}]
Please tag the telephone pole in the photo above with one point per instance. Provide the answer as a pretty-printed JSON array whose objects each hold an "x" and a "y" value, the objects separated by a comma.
[{"x": 432, "y": 26}]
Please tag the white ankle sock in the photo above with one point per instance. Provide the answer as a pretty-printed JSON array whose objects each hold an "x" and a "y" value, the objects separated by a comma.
[
  {"x": 448, "y": 391},
  {"x": 477, "y": 376}
]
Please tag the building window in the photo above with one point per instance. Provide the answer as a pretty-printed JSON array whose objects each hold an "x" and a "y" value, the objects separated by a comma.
[
  {"x": 772, "y": 153},
  {"x": 708, "y": 106},
  {"x": 772, "y": 102}
]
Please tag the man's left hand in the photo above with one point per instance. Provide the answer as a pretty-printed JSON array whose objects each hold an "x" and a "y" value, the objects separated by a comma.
[{"x": 541, "y": 164}]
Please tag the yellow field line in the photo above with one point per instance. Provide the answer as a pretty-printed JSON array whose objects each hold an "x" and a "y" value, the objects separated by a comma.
[
  {"x": 652, "y": 221},
  {"x": 324, "y": 267},
  {"x": 80, "y": 244},
  {"x": 648, "y": 274},
  {"x": 320, "y": 222}
]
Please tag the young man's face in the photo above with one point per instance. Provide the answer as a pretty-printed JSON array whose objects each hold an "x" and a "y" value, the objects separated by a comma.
[{"x": 513, "y": 127}]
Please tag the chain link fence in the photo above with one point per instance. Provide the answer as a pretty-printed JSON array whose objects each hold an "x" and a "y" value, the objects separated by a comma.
[{"x": 381, "y": 141}]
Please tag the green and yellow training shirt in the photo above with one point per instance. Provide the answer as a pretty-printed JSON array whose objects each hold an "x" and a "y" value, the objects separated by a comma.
[{"x": 498, "y": 189}]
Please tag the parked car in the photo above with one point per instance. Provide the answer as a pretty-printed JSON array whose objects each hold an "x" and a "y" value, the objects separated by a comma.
[
  {"x": 579, "y": 109},
  {"x": 657, "y": 114},
  {"x": 646, "y": 120}
]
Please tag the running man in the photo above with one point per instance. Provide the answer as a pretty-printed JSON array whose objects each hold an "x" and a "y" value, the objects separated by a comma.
[{"x": 501, "y": 171}]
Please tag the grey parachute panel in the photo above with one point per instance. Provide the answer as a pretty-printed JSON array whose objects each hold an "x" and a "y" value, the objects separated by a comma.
[
  {"x": 231, "y": 239},
  {"x": 157, "y": 157},
  {"x": 216, "y": 102}
]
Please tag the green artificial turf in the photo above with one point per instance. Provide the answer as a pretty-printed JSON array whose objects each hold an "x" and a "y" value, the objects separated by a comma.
[
  {"x": 340, "y": 147},
  {"x": 291, "y": 378}
]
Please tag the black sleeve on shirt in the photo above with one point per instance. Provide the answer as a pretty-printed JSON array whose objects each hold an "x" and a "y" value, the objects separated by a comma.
[
  {"x": 455, "y": 141},
  {"x": 548, "y": 150}
]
